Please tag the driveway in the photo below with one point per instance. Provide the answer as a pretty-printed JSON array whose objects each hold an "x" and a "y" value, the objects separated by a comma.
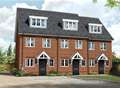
[{"x": 52, "y": 82}]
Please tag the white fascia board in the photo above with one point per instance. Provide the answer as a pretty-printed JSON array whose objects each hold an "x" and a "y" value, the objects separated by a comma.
[
  {"x": 94, "y": 24},
  {"x": 71, "y": 20},
  {"x": 40, "y": 17}
]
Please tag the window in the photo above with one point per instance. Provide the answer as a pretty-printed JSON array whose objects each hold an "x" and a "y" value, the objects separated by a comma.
[
  {"x": 65, "y": 62},
  {"x": 103, "y": 46},
  {"x": 29, "y": 62},
  {"x": 69, "y": 24},
  {"x": 38, "y": 21},
  {"x": 82, "y": 62},
  {"x": 46, "y": 43},
  {"x": 30, "y": 42},
  {"x": 78, "y": 44},
  {"x": 51, "y": 62},
  {"x": 91, "y": 62},
  {"x": 91, "y": 45},
  {"x": 95, "y": 28},
  {"x": 64, "y": 43}
]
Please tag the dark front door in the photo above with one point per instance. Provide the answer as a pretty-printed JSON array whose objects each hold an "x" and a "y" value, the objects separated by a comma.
[
  {"x": 42, "y": 67},
  {"x": 101, "y": 67},
  {"x": 75, "y": 67}
]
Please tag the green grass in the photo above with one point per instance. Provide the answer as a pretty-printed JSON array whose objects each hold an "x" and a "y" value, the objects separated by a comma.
[{"x": 99, "y": 77}]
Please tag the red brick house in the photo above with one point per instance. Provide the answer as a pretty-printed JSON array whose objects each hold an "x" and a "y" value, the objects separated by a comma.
[{"x": 67, "y": 43}]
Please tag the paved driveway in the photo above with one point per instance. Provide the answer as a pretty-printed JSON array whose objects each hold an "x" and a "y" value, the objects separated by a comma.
[{"x": 52, "y": 82}]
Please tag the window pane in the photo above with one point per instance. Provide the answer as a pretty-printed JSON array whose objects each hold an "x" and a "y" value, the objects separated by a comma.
[
  {"x": 38, "y": 22},
  {"x": 43, "y": 22},
  {"x": 33, "y": 21},
  {"x": 62, "y": 62},
  {"x": 83, "y": 62},
  {"x": 51, "y": 62},
  {"x": 66, "y": 62},
  {"x": 31, "y": 62}
]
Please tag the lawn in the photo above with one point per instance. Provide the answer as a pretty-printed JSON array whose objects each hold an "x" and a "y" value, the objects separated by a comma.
[{"x": 99, "y": 77}]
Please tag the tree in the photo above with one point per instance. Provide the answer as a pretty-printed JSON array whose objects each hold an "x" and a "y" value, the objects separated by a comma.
[
  {"x": 9, "y": 51},
  {"x": 3, "y": 58},
  {"x": 111, "y": 3}
]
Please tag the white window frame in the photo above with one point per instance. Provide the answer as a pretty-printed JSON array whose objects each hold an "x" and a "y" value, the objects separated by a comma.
[
  {"x": 29, "y": 41},
  {"x": 81, "y": 63},
  {"x": 28, "y": 60},
  {"x": 92, "y": 28},
  {"x": 44, "y": 42},
  {"x": 63, "y": 43},
  {"x": 103, "y": 46},
  {"x": 91, "y": 45},
  {"x": 78, "y": 44},
  {"x": 53, "y": 63},
  {"x": 64, "y": 63},
  {"x": 36, "y": 19},
  {"x": 91, "y": 61},
  {"x": 72, "y": 27}
]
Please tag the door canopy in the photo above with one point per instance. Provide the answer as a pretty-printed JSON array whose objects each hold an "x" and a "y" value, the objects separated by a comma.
[
  {"x": 102, "y": 57},
  {"x": 43, "y": 55},
  {"x": 77, "y": 56}
]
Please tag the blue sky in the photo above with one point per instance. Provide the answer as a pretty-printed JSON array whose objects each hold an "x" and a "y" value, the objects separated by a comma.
[
  {"x": 109, "y": 17},
  {"x": 9, "y": 3}
]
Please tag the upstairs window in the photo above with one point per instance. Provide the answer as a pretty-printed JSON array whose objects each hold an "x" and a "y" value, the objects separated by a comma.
[
  {"x": 69, "y": 24},
  {"x": 29, "y": 42},
  {"x": 103, "y": 46},
  {"x": 95, "y": 28},
  {"x": 78, "y": 44},
  {"x": 64, "y": 43},
  {"x": 46, "y": 43},
  {"x": 91, "y": 45},
  {"x": 38, "y": 21}
]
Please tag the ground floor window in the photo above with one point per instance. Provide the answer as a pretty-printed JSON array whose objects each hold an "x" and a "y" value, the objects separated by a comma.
[
  {"x": 51, "y": 62},
  {"x": 91, "y": 62},
  {"x": 65, "y": 62},
  {"x": 29, "y": 62},
  {"x": 82, "y": 62}
]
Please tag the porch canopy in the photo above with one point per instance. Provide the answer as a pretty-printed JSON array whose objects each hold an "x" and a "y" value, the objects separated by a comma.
[
  {"x": 43, "y": 55},
  {"x": 77, "y": 56},
  {"x": 102, "y": 57}
]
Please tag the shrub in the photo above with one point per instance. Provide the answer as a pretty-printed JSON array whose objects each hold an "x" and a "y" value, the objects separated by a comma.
[
  {"x": 17, "y": 73},
  {"x": 54, "y": 73}
]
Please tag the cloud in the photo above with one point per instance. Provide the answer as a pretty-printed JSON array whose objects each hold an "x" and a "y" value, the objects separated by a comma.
[
  {"x": 7, "y": 23},
  {"x": 109, "y": 17}
]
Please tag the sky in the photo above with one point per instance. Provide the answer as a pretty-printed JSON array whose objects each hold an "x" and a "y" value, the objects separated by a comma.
[{"x": 110, "y": 17}]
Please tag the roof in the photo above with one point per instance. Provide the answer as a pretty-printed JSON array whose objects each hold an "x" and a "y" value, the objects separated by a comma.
[{"x": 54, "y": 25}]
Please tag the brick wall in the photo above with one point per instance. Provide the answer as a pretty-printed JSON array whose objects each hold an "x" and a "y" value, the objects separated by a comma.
[{"x": 57, "y": 53}]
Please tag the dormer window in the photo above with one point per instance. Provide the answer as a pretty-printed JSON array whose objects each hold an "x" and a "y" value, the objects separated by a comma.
[
  {"x": 69, "y": 24},
  {"x": 95, "y": 28},
  {"x": 38, "y": 21}
]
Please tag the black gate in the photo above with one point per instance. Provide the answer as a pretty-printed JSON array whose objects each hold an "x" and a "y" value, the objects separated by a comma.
[
  {"x": 75, "y": 67},
  {"x": 101, "y": 66},
  {"x": 42, "y": 67}
]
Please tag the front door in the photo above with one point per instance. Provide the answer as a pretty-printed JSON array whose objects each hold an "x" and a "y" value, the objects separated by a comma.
[
  {"x": 42, "y": 67},
  {"x": 75, "y": 67},
  {"x": 101, "y": 66}
]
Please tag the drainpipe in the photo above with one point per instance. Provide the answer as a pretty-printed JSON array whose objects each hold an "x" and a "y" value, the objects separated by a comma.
[
  {"x": 57, "y": 54},
  {"x": 87, "y": 58}
]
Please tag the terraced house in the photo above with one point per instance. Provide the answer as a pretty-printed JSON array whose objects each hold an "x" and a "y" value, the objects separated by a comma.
[{"x": 67, "y": 43}]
